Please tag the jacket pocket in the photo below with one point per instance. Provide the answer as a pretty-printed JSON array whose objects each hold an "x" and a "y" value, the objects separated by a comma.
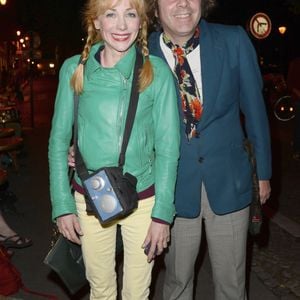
[
  {"x": 241, "y": 169},
  {"x": 146, "y": 144}
]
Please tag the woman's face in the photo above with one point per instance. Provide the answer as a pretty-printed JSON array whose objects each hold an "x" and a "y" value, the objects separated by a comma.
[{"x": 119, "y": 27}]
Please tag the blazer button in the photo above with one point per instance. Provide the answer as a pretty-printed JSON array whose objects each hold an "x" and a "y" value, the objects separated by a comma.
[{"x": 201, "y": 159}]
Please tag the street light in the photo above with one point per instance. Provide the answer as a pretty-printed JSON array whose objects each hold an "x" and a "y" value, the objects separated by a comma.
[
  {"x": 2, "y": 2},
  {"x": 282, "y": 29},
  {"x": 282, "y": 47}
]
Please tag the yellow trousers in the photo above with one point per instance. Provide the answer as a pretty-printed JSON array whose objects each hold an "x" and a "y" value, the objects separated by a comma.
[{"x": 98, "y": 247}]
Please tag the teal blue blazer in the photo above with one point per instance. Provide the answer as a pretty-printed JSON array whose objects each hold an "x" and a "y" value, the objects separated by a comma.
[{"x": 232, "y": 84}]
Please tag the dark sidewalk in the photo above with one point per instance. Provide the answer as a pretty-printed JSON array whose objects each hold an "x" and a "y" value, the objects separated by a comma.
[{"x": 274, "y": 267}]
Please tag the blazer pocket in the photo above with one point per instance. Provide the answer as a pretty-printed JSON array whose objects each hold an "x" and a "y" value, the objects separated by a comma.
[{"x": 241, "y": 169}]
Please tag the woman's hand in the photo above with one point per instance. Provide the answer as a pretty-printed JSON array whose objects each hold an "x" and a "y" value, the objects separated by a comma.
[
  {"x": 157, "y": 238},
  {"x": 71, "y": 157},
  {"x": 68, "y": 226}
]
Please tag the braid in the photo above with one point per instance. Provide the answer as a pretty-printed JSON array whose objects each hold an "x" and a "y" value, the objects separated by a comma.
[
  {"x": 77, "y": 78},
  {"x": 146, "y": 74},
  {"x": 143, "y": 40}
]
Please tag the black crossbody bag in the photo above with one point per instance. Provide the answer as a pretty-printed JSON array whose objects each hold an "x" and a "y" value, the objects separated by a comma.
[{"x": 110, "y": 193}]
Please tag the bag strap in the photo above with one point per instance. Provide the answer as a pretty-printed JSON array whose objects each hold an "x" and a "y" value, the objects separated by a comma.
[
  {"x": 43, "y": 295},
  {"x": 134, "y": 96}
]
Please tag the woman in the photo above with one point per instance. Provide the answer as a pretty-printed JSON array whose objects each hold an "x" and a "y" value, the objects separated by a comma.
[{"x": 103, "y": 81}]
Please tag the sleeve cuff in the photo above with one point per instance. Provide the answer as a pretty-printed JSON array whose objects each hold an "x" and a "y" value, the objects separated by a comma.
[{"x": 160, "y": 221}]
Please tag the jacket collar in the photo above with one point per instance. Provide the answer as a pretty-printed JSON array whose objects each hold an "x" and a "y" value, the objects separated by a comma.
[{"x": 124, "y": 65}]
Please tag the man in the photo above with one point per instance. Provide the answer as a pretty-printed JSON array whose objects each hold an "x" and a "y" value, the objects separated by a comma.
[{"x": 217, "y": 78}]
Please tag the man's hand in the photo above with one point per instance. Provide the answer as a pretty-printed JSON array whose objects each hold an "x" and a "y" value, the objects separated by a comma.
[
  {"x": 264, "y": 190},
  {"x": 69, "y": 227},
  {"x": 158, "y": 237},
  {"x": 71, "y": 157}
]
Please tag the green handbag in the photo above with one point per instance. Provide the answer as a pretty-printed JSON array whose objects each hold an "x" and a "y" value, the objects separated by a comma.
[{"x": 65, "y": 259}]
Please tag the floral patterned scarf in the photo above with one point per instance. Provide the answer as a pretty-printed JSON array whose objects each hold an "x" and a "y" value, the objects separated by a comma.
[{"x": 190, "y": 97}]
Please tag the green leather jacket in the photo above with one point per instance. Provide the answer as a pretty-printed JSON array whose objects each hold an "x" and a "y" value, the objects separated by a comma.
[{"x": 153, "y": 150}]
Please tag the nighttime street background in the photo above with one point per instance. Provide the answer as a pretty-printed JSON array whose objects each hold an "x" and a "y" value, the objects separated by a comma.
[{"x": 58, "y": 22}]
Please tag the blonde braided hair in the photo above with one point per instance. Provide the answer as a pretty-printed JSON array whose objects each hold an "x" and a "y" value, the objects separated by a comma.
[{"x": 95, "y": 8}]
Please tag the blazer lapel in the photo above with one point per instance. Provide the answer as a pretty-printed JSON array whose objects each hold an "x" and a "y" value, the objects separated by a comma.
[{"x": 211, "y": 55}]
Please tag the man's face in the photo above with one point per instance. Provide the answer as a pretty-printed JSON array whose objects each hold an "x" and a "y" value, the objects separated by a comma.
[{"x": 179, "y": 18}]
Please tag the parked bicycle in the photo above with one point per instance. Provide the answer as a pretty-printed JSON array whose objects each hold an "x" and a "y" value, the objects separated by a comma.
[{"x": 278, "y": 100}]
